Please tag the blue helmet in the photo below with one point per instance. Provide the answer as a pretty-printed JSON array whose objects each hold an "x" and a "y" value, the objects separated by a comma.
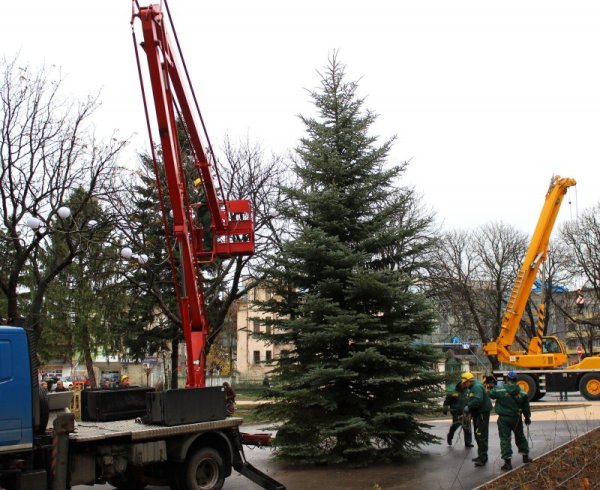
[{"x": 511, "y": 375}]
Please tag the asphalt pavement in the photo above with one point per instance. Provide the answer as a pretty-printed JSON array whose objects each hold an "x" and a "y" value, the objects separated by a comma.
[{"x": 440, "y": 467}]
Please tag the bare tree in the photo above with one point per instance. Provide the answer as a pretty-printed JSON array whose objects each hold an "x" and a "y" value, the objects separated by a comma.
[
  {"x": 246, "y": 173},
  {"x": 501, "y": 249},
  {"x": 582, "y": 261},
  {"x": 472, "y": 275},
  {"x": 554, "y": 279},
  {"x": 47, "y": 151},
  {"x": 454, "y": 274}
]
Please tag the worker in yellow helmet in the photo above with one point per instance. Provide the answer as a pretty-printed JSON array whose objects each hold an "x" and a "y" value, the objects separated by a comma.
[
  {"x": 479, "y": 406},
  {"x": 124, "y": 381}
]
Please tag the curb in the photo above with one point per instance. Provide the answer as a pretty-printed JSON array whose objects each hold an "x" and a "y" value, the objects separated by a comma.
[{"x": 500, "y": 477}]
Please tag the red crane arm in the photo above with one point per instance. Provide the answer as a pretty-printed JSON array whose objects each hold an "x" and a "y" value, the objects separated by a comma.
[{"x": 231, "y": 222}]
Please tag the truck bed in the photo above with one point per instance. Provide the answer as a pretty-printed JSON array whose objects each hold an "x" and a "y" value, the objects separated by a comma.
[{"x": 134, "y": 431}]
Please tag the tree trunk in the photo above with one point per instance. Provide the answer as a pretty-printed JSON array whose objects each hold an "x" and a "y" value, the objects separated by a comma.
[
  {"x": 87, "y": 355},
  {"x": 89, "y": 364},
  {"x": 494, "y": 362},
  {"x": 11, "y": 310}
]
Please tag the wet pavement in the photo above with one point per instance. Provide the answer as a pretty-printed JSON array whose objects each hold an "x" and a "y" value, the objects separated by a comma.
[{"x": 440, "y": 466}]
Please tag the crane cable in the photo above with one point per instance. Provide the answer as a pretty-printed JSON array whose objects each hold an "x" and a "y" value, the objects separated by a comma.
[{"x": 211, "y": 156}]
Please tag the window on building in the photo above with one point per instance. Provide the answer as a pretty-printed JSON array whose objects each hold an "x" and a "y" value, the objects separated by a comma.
[
  {"x": 268, "y": 356},
  {"x": 268, "y": 329},
  {"x": 256, "y": 326},
  {"x": 285, "y": 353},
  {"x": 256, "y": 357}
]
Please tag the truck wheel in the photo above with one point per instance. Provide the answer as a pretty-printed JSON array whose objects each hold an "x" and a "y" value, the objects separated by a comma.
[
  {"x": 539, "y": 396},
  {"x": 528, "y": 385},
  {"x": 44, "y": 411},
  {"x": 203, "y": 470},
  {"x": 589, "y": 385}
]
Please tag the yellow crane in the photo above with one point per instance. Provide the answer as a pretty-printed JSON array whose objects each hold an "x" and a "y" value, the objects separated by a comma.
[{"x": 544, "y": 362}]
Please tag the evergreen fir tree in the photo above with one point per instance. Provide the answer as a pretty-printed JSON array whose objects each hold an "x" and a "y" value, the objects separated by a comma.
[
  {"x": 153, "y": 324},
  {"x": 344, "y": 296}
]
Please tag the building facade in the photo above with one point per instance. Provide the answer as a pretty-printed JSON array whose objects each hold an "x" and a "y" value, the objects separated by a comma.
[{"x": 254, "y": 356}]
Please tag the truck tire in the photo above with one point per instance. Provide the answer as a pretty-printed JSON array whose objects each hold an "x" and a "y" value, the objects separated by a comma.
[
  {"x": 203, "y": 470},
  {"x": 589, "y": 386},
  {"x": 44, "y": 411},
  {"x": 528, "y": 385},
  {"x": 539, "y": 396}
]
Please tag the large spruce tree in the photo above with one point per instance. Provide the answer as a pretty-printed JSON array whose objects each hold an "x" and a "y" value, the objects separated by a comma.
[{"x": 354, "y": 379}]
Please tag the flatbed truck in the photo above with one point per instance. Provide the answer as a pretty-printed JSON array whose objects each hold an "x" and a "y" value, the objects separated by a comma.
[{"x": 128, "y": 454}]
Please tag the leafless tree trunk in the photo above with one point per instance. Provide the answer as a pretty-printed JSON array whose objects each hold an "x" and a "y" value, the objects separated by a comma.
[{"x": 47, "y": 150}]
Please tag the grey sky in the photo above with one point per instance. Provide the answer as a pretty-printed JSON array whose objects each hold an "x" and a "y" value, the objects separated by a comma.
[{"x": 487, "y": 99}]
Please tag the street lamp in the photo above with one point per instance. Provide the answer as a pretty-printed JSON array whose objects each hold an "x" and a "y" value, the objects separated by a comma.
[
  {"x": 63, "y": 212},
  {"x": 33, "y": 222},
  {"x": 126, "y": 253}
]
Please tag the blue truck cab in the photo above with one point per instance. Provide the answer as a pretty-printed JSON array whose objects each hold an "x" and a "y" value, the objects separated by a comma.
[{"x": 16, "y": 405}]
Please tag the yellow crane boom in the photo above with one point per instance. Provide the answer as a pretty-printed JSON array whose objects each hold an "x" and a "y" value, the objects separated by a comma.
[{"x": 544, "y": 352}]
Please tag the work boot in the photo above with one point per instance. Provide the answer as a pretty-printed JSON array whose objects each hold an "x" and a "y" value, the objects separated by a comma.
[
  {"x": 468, "y": 445},
  {"x": 527, "y": 459},
  {"x": 449, "y": 439},
  {"x": 507, "y": 465},
  {"x": 480, "y": 463},
  {"x": 475, "y": 459}
]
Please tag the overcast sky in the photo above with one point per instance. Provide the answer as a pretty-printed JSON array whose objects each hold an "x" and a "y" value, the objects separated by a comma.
[{"x": 487, "y": 99}]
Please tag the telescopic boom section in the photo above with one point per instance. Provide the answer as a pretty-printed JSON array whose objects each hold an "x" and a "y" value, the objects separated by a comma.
[
  {"x": 536, "y": 254},
  {"x": 229, "y": 230}
]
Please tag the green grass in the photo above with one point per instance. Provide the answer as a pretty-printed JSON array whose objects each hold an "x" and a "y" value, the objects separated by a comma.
[
  {"x": 248, "y": 392},
  {"x": 250, "y": 416}
]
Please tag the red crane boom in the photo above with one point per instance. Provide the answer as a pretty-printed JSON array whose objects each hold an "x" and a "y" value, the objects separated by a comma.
[{"x": 231, "y": 221}]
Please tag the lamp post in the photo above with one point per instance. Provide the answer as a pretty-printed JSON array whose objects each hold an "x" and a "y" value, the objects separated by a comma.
[{"x": 41, "y": 225}]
